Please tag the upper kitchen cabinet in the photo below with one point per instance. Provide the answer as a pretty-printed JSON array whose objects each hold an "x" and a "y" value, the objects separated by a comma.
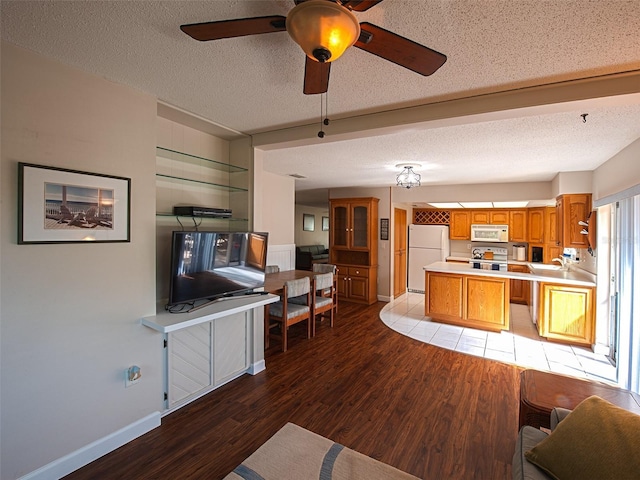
[
  {"x": 570, "y": 210},
  {"x": 518, "y": 221},
  {"x": 499, "y": 217},
  {"x": 550, "y": 225},
  {"x": 460, "y": 225},
  {"x": 536, "y": 225},
  {"x": 480, "y": 217},
  {"x": 493, "y": 217}
]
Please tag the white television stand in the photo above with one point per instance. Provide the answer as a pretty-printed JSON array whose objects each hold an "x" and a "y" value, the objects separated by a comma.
[{"x": 206, "y": 348}]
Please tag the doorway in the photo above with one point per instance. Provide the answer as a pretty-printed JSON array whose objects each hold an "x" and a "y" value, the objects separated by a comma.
[{"x": 399, "y": 252}]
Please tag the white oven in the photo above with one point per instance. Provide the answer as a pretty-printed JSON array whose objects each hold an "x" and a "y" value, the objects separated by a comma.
[
  {"x": 489, "y": 258},
  {"x": 490, "y": 233}
]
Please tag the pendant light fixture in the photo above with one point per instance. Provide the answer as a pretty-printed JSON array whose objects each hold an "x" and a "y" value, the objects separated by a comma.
[
  {"x": 323, "y": 29},
  {"x": 408, "y": 178}
]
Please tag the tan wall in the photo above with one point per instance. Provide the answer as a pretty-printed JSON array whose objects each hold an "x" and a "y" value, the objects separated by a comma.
[
  {"x": 619, "y": 173},
  {"x": 318, "y": 236},
  {"x": 71, "y": 312},
  {"x": 274, "y": 204},
  {"x": 572, "y": 182}
]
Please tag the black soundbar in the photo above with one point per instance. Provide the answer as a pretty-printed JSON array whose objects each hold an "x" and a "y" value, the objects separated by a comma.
[{"x": 190, "y": 211}]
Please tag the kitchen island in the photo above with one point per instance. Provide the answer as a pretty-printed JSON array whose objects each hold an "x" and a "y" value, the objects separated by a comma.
[{"x": 460, "y": 295}]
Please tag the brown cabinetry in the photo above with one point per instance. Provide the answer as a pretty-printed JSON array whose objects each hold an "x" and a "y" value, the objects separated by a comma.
[
  {"x": 353, "y": 247},
  {"x": 468, "y": 300},
  {"x": 493, "y": 217},
  {"x": 518, "y": 223},
  {"x": 519, "y": 288},
  {"x": 352, "y": 224},
  {"x": 550, "y": 225},
  {"x": 536, "y": 225},
  {"x": 543, "y": 232},
  {"x": 443, "y": 295},
  {"x": 487, "y": 302},
  {"x": 551, "y": 251},
  {"x": 499, "y": 217},
  {"x": 356, "y": 284},
  {"x": 571, "y": 209},
  {"x": 567, "y": 313},
  {"x": 460, "y": 225},
  {"x": 480, "y": 217}
]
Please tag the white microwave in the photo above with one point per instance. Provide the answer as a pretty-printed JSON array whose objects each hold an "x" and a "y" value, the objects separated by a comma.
[{"x": 490, "y": 233}]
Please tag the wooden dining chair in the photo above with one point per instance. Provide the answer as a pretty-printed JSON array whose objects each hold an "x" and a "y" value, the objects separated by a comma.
[
  {"x": 324, "y": 268},
  {"x": 329, "y": 268},
  {"x": 285, "y": 313},
  {"x": 323, "y": 299}
]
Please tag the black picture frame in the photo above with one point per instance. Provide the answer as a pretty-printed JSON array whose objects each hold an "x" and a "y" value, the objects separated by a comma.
[
  {"x": 58, "y": 205},
  {"x": 384, "y": 229},
  {"x": 308, "y": 222}
]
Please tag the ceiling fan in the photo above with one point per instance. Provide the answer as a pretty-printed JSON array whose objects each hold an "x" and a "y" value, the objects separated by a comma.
[{"x": 325, "y": 29}]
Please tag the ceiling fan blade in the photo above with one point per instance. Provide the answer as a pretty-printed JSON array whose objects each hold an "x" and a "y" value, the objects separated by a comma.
[
  {"x": 316, "y": 76},
  {"x": 399, "y": 50},
  {"x": 234, "y": 28},
  {"x": 359, "y": 5}
]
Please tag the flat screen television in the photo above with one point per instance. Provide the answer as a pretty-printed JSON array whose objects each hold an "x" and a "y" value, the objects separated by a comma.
[{"x": 210, "y": 265}]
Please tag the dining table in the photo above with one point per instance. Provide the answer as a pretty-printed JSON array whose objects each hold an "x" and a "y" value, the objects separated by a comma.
[{"x": 273, "y": 282}]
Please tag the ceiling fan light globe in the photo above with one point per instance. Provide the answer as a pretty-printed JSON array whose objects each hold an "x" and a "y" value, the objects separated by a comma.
[
  {"x": 322, "y": 25},
  {"x": 321, "y": 55}
]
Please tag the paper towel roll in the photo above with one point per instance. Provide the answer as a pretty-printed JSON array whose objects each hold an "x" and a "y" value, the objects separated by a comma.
[{"x": 520, "y": 253}]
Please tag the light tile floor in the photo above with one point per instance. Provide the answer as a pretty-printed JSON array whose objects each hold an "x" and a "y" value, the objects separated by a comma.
[{"x": 521, "y": 345}]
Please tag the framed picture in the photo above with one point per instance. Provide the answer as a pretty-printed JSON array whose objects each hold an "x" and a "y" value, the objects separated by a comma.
[
  {"x": 56, "y": 205},
  {"x": 325, "y": 224},
  {"x": 384, "y": 229},
  {"x": 308, "y": 222}
]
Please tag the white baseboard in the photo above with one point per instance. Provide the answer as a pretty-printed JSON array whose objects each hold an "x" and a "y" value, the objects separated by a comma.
[
  {"x": 69, "y": 463},
  {"x": 257, "y": 367}
]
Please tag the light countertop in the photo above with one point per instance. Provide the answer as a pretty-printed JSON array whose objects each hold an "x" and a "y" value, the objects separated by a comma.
[
  {"x": 462, "y": 258},
  {"x": 166, "y": 322},
  {"x": 564, "y": 277}
]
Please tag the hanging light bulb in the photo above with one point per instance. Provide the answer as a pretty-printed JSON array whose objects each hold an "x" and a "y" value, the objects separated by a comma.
[
  {"x": 408, "y": 178},
  {"x": 324, "y": 29}
]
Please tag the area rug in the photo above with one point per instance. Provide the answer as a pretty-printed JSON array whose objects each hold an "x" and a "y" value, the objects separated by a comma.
[{"x": 294, "y": 453}]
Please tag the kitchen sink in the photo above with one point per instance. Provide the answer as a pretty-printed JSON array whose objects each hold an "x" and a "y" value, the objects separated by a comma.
[{"x": 546, "y": 266}]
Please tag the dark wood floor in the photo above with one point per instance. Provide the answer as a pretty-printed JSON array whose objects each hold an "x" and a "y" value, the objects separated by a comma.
[{"x": 428, "y": 411}]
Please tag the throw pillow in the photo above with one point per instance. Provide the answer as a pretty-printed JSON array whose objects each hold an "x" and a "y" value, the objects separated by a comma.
[{"x": 596, "y": 440}]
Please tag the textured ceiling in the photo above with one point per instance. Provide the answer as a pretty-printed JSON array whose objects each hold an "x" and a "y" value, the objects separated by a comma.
[{"x": 254, "y": 84}]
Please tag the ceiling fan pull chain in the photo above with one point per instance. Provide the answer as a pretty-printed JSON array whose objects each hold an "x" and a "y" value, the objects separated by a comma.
[
  {"x": 326, "y": 108},
  {"x": 321, "y": 132}
]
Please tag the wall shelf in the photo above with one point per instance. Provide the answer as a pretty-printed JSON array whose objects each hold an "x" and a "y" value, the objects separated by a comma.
[
  {"x": 173, "y": 215},
  {"x": 187, "y": 157},
  {"x": 221, "y": 186},
  {"x": 187, "y": 179}
]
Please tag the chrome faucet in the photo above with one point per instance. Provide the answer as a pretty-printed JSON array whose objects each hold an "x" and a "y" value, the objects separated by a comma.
[{"x": 563, "y": 261}]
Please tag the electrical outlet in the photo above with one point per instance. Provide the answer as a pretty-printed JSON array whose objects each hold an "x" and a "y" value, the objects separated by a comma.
[
  {"x": 132, "y": 375},
  {"x": 468, "y": 246}
]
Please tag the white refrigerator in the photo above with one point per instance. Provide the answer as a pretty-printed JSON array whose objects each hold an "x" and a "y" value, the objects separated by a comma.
[{"x": 427, "y": 244}]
